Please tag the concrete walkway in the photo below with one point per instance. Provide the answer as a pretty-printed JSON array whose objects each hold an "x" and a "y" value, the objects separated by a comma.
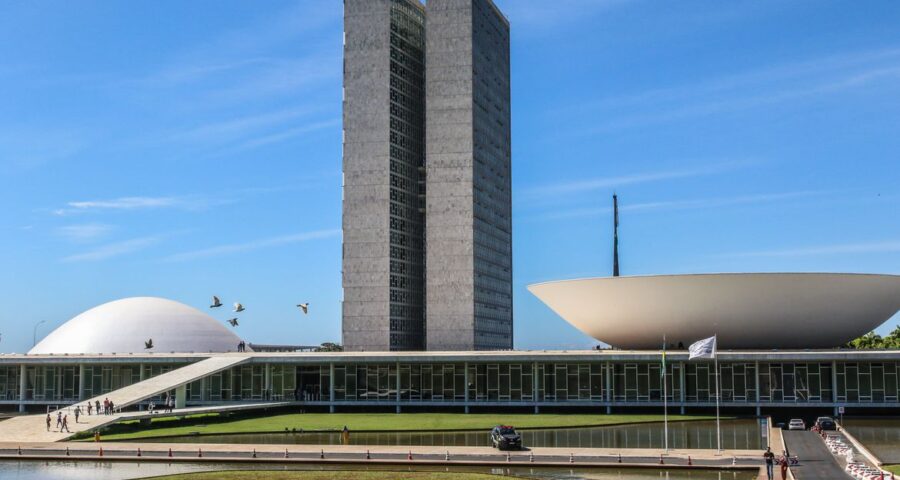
[
  {"x": 33, "y": 428},
  {"x": 816, "y": 462},
  {"x": 584, "y": 457}
]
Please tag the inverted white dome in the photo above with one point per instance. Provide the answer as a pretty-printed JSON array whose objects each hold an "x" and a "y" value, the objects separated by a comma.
[
  {"x": 745, "y": 310},
  {"x": 122, "y": 326}
]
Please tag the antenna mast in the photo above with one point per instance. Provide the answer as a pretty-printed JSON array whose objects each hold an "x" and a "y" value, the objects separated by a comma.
[{"x": 615, "y": 235}]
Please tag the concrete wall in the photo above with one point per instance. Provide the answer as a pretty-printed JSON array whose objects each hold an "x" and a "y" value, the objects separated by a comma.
[
  {"x": 468, "y": 236},
  {"x": 366, "y": 163}
]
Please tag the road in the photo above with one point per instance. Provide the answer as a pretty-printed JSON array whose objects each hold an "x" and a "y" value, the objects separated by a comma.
[{"x": 816, "y": 462}]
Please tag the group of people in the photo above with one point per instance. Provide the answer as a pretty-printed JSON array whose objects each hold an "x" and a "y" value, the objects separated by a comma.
[
  {"x": 62, "y": 422},
  {"x": 168, "y": 404},
  {"x": 242, "y": 347},
  {"x": 771, "y": 461}
]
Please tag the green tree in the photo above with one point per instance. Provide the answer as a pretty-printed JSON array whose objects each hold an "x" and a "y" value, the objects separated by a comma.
[{"x": 329, "y": 347}]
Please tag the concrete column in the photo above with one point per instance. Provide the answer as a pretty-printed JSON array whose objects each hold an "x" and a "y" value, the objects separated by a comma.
[
  {"x": 23, "y": 385},
  {"x": 267, "y": 382},
  {"x": 331, "y": 388},
  {"x": 181, "y": 396},
  {"x": 203, "y": 384},
  {"x": 397, "y": 395},
  {"x": 60, "y": 371},
  {"x": 82, "y": 371},
  {"x": 834, "y": 392},
  {"x": 141, "y": 374},
  {"x": 466, "y": 385},
  {"x": 534, "y": 386},
  {"x": 681, "y": 384},
  {"x": 758, "y": 393}
]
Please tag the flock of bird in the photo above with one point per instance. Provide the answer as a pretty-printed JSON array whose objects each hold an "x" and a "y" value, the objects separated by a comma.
[{"x": 238, "y": 308}]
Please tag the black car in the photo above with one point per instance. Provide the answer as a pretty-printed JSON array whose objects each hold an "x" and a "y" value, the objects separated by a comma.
[
  {"x": 505, "y": 437},
  {"x": 825, "y": 423}
]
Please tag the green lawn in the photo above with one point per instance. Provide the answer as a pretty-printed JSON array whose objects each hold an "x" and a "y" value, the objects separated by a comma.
[
  {"x": 892, "y": 468},
  {"x": 210, "y": 424},
  {"x": 338, "y": 475}
]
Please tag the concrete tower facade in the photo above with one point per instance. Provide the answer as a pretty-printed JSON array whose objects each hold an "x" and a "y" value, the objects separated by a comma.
[
  {"x": 468, "y": 159},
  {"x": 427, "y": 254},
  {"x": 384, "y": 109}
]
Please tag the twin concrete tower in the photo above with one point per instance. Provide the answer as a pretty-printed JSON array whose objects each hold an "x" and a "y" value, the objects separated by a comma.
[{"x": 427, "y": 210}]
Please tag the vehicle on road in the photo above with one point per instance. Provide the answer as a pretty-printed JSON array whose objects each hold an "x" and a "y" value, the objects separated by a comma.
[
  {"x": 825, "y": 423},
  {"x": 796, "y": 424},
  {"x": 504, "y": 437}
]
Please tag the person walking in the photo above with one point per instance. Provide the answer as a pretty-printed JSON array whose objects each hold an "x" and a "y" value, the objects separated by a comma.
[
  {"x": 171, "y": 404},
  {"x": 49, "y": 421},
  {"x": 770, "y": 462},
  {"x": 65, "y": 424},
  {"x": 106, "y": 406},
  {"x": 59, "y": 421},
  {"x": 89, "y": 408},
  {"x": 784, "y": 467},
  {"x": 97, "y": 409},
  {"x": 112, "y": 408},
  {"x": 77, "y": 413}
]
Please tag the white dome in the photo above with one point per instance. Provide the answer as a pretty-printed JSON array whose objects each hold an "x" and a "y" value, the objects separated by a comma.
[{"x": 122, "y": 326}]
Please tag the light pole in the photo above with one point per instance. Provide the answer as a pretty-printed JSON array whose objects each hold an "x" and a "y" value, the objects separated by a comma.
[{"x": 34, "y": 335}]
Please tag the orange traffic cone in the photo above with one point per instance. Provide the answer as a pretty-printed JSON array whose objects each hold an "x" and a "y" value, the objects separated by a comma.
[
  {"x": 170, "y": 453},
  {"x": 139, "y": 451},
  {"x": 100, "y": 453},
  {"x": 322, "y": 454},
  {"x": 409, "y": 455},
  {"x": 689, "y": 461},
  {"x": 199, "y": 453},
  {"x": 368, "y": 455}
]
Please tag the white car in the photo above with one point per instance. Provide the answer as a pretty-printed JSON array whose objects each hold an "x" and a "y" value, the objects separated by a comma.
[{"x": 796, "y": 424}]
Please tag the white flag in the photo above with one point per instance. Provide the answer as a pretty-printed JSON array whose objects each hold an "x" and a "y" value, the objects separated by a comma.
[{"x": 705, "y": 348}]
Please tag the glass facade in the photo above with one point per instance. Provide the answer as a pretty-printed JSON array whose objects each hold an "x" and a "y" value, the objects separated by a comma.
[
  {"x": 407, "y": 218},
  {"x": 491, "y": 178},
  {"x": 626, "y": 383}
]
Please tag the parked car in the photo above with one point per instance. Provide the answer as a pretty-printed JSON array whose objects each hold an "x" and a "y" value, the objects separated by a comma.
[
  {"x": 826, "y": 423},
  {"x": 505, "y": 437},
  {"x": 796, "y": 424}
]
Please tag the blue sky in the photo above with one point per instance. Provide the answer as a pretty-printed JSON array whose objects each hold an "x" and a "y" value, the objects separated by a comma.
[{"x": 184, "y": 149}]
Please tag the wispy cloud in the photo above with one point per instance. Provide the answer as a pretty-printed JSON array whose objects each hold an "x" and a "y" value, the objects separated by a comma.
[
  {"x": 84, "y": 232},
  {"x": 767, "y": 86},
  {"x": 114, "y": 249},
  {"x": 581, "y": 186},
  {"x": 228, "y": 130},
  {"x": 528, "y": 15},
  {"x": 191, "y": 202},
  {"x": 891, "y": 246},
  {"x": 691, "y": 204},
  {"x": 287, "y": 134},
  {"x": 254, "y": 245}
]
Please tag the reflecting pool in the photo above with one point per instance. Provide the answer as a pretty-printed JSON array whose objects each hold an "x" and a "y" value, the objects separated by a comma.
[
  {"x": 742, "y": 434},
  {"x": 881, "y": 436},
  {"x": 28, "y": 470}
]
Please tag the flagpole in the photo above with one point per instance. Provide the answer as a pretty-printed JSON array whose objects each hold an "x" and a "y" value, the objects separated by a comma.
[
  {"x": 718, "y": 394},
  {"x": 665, "y": 400}
]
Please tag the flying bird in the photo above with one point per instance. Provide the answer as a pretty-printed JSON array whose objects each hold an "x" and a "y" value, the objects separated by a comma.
[
  {"x": 148, "y": 344},
  {"x": 304, "y": 307},
  {"x": 216, "y": 303},
  {"x": 238, "y": 307},
  {"x": 233, "y": 322}
]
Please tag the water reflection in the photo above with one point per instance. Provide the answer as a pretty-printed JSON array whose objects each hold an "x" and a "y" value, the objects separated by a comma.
[
  {"x": 736, "y": 434},
  {"x": 881, "y": 436},
  {"x": 26, "y": 470}
]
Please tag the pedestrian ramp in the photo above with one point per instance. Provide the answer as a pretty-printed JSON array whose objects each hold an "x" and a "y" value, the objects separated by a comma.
[
  {"x": 33, "y": 428},
  {"x": 816, "y": 462}
]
